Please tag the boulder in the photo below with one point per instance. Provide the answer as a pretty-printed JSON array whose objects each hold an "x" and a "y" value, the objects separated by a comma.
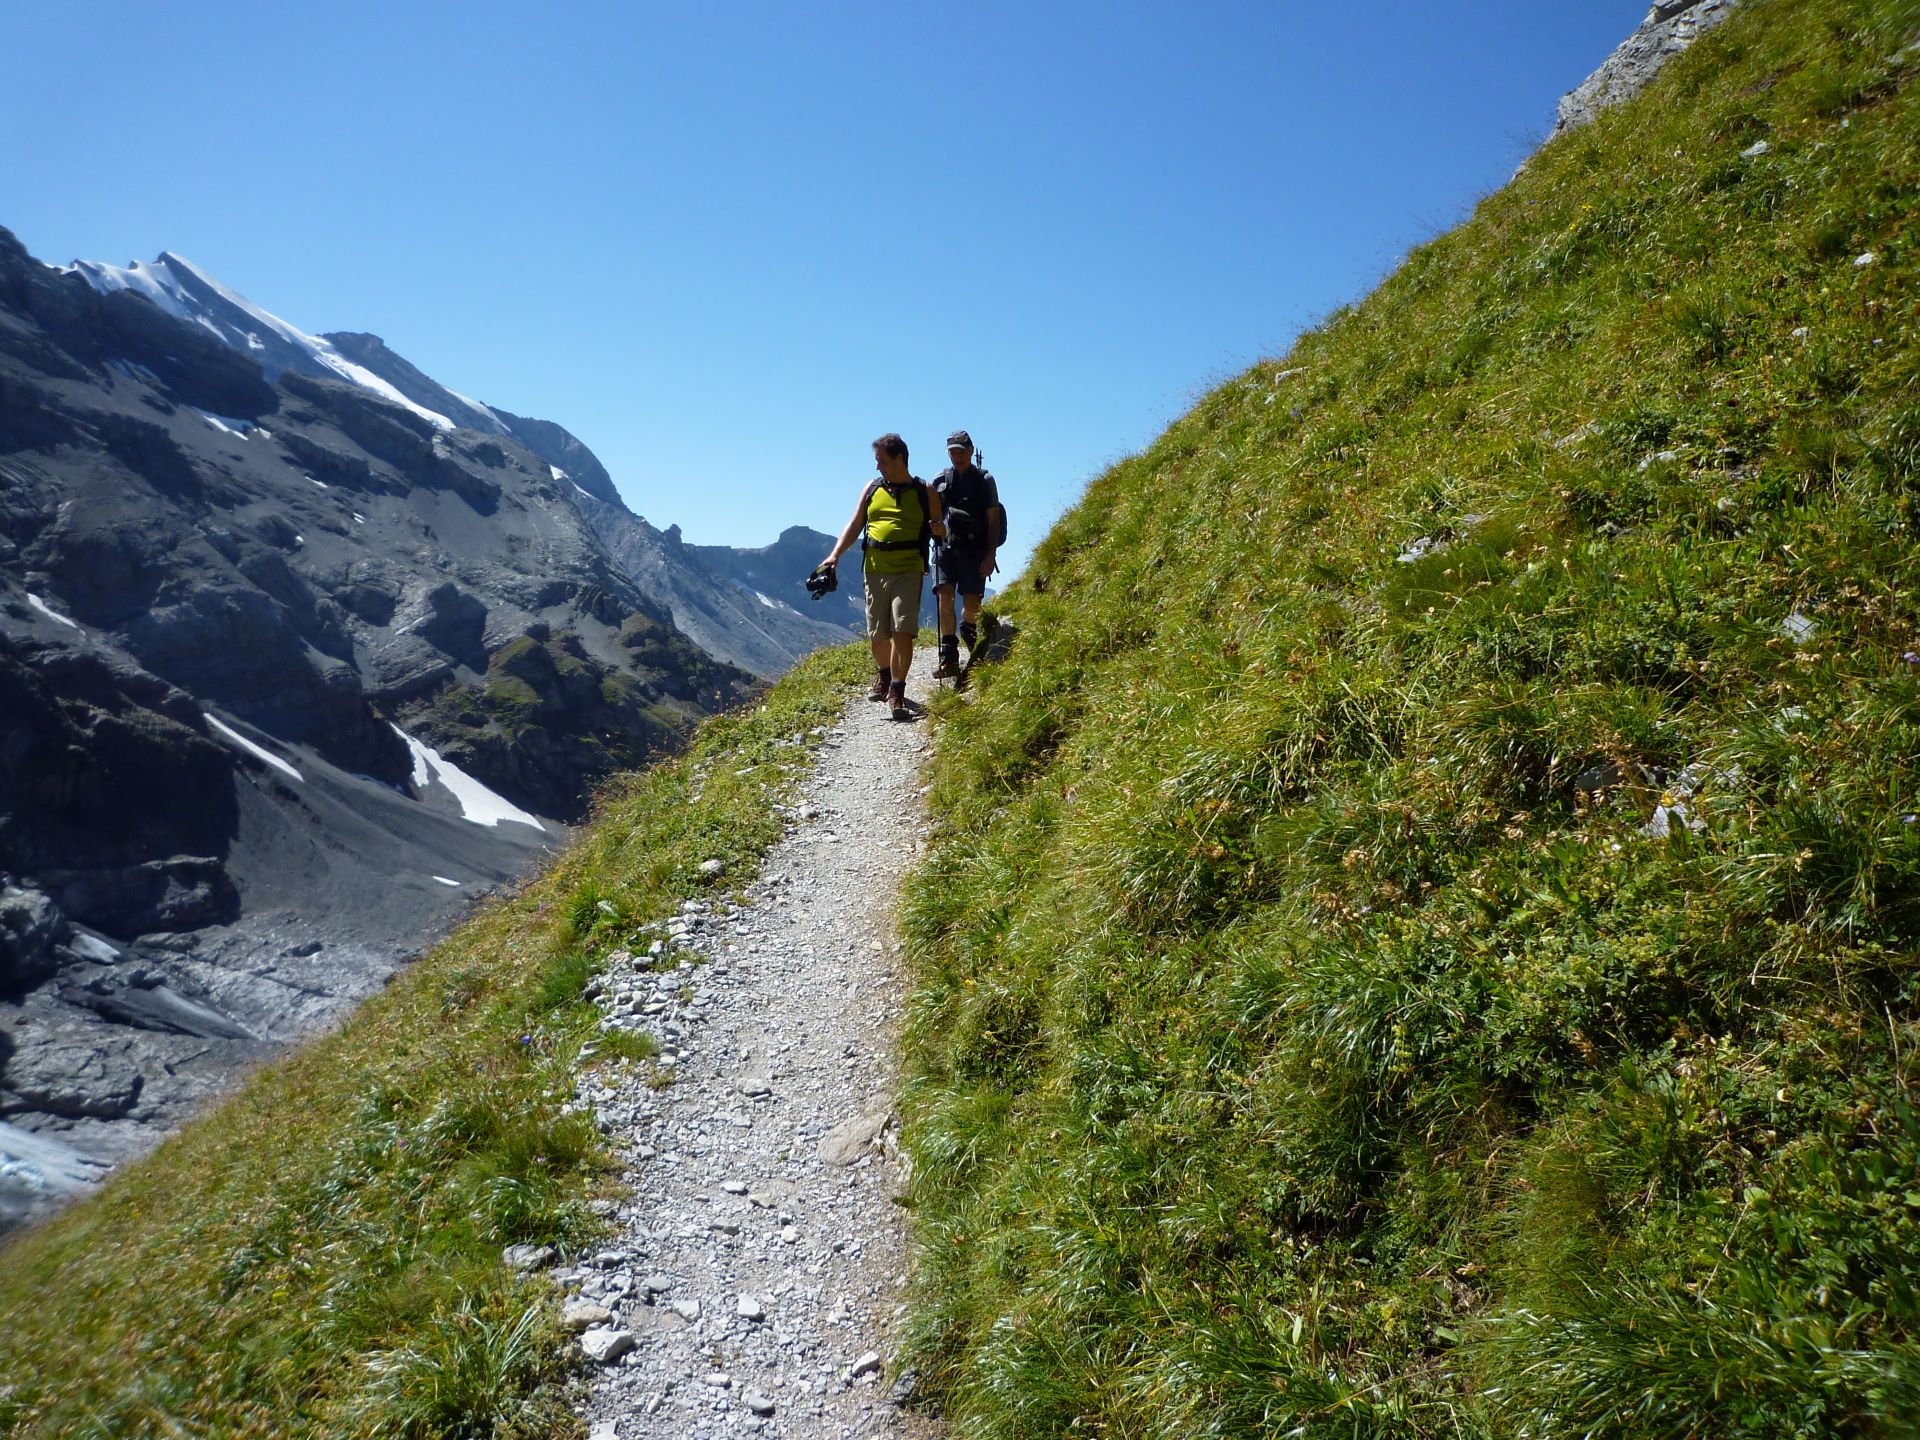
[
  {"x": 183, "y": 892},
  {"x": 848, "y": 1140},
  {"x": 96, "y": 1078},
  {"x": 31, "y": 925},
  {"x": 141, "y": 997},
  {"x": 1670, "y": 27}
]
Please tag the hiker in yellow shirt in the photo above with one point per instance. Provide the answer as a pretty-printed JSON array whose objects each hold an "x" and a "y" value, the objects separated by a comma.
[{"x": 900, "y": 517}]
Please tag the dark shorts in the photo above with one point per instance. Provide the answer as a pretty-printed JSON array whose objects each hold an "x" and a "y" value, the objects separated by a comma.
[{"x": 960, "y": 569}]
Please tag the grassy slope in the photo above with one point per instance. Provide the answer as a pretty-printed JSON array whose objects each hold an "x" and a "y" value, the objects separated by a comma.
[
  {"x": 1299, "y": 1048},
  {"x": 321, "y": 1254}
]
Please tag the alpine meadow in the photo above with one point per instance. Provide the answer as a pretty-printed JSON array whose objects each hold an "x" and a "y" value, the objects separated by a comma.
[{"x": 1420, "y": 934}]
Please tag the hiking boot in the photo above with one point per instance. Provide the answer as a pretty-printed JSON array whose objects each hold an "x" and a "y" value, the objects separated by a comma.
[
  {"x": 949, "y": 665},
  {"x": 897, "y": 697},
  {"x": 878, "y": 690}
]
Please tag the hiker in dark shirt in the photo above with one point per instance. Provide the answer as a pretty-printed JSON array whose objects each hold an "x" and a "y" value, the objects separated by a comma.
[{"x": 970, "y": 500}]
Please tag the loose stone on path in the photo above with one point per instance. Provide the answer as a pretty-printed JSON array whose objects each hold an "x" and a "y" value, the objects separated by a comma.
[{"x": 753, "y": 1285}]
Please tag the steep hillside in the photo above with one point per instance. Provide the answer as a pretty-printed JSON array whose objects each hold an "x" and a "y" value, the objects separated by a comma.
[{"x": 1422, "y": 935}]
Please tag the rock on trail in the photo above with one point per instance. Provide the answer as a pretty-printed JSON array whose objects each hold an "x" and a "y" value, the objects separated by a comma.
[{"x": 757, "y": 1276}]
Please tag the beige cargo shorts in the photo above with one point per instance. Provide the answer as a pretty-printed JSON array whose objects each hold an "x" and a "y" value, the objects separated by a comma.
[{"x": 893, "y": 603}]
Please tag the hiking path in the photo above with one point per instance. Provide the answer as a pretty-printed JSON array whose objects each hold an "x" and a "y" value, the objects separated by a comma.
[{"x": 756, "y": 1280}]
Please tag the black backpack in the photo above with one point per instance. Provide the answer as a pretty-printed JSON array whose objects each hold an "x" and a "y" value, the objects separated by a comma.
[{"x": 970, "y": 520}]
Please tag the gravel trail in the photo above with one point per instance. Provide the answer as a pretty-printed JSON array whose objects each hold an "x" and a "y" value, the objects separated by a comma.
[{"x": 755, "y": 1284}]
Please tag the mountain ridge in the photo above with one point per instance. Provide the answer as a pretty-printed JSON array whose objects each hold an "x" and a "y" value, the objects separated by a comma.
[{"x": 717, "y": 614}]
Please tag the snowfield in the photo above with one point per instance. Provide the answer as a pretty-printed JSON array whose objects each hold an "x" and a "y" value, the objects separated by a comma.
[{"x": 477, "y": 802}]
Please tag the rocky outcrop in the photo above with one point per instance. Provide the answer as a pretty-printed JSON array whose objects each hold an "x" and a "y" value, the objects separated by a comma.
[
  {"x": 546, "y": 713},
  {"x": 112, "y": 793},
  {"x": 30, "y": 926},
  {"x": 565, "y": 452},
  {"x": 1669, "y": 28}
]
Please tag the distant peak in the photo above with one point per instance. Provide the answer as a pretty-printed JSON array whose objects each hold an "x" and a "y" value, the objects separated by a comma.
[{"x": 173, "y": 260}]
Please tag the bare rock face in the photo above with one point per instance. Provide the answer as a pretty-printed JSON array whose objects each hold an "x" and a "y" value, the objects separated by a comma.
[{"x": 1670, "y": 27}]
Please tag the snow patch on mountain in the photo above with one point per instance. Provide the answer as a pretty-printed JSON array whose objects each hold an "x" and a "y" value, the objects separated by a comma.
[
  {"x": 259, "y": 752},
  {"x": 225, "y": 422},
  {"x": 181, "y": 288},
  {"x": 47, "y": 610},
  {"x": 485, "y": 410},
  {"x": 477, "y": 802},
  {"x": 133, "y": 370}
]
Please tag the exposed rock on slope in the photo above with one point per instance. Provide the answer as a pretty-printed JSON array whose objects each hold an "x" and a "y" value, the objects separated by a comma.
[
  {"x": 1670, "y": 27},
  {"x": 752, "y": 625},
  {"x": 308, "y": 546},
  {"x": 780, "y": 571}
]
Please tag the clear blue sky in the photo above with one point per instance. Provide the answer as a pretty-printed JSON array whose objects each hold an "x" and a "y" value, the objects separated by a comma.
[{"x": 729, "y": 244}]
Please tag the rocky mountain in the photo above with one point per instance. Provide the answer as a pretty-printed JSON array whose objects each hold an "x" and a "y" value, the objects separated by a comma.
[
  {"x": 747, "y": 607},
  {"x": 762, "y": 625},
  {"x": 780, "y": 570},
  {"x": 292, "y": 664},
  {"x": 750, "y": 606}
]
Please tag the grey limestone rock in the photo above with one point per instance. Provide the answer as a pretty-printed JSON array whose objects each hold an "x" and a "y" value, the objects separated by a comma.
[
  {"x": 1670, "y": 27},
  {"x": 73, "y": 1079},
  {"x": 30, "y": 926},
  {"x": 848, "y": 1140},
  {"x": 579, "y": 1315},
  {"x": 604, "y": 1345},
  {"x": 527, "y": 1258}
]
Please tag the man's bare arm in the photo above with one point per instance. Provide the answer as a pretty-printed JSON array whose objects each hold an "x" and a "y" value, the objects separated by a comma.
[{"x": 852, "y": 532}]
